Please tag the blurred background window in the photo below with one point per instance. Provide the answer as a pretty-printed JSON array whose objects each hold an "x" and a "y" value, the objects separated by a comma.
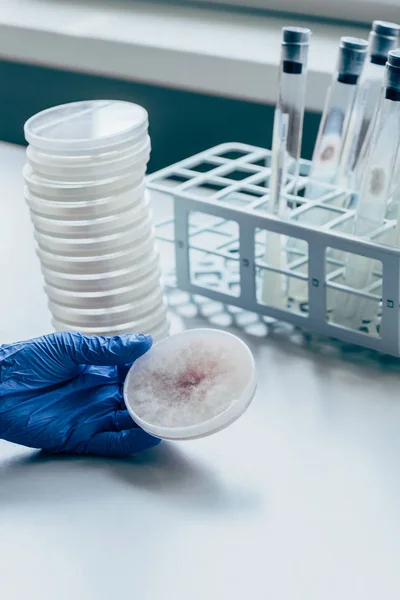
[
  {"x": 360, "y": 11},
  {"x": 205, "y": 70}
]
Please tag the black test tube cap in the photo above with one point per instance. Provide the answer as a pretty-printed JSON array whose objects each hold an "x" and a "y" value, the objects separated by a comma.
[
  {"x": 295, "y": 42},
  {"x": 392, "y": 83},
  {"x": 352, "y": 54},
  {"x": 383, "y": 38}
]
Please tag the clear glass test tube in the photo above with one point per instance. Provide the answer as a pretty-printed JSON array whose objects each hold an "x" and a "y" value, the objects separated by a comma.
[
  {"x": 383, "y": 38},
  {"x": 396, "y": 201},
  {"x": 286, "y": 146},
  {"x": 335, "y": 116},
  {"x": 376, "y": 189},
  {"x": 327, "y": 151},
  {"x": 289, "y": 114}
]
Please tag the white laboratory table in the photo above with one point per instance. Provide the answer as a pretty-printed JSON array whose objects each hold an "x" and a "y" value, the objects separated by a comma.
[{"x": 298, "y": 500}]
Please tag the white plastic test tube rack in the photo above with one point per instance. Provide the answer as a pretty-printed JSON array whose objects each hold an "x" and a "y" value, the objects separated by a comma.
[{"x": 219, "y": 227}]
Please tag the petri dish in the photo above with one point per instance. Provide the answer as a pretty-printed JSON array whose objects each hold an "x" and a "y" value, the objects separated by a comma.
[
  {"x": 74, "y": 209},
  {"x": 96, "y": 245},
  {"x": 81, "y": 168},
  {"x": 158, "y": 333},
  {"x": 92, "y": 126},
  {"x": 82, "y": 190},
  {"x": 107, "y": 298},
  {"x": 95, "y": 282},
  {"x": 97, "y": 264},
  {"x": 191, "y": 385},
  {"x": 91, "y": 227},
  {"x": 148, "y": 324},
  {"x": 110, "y": 316}
]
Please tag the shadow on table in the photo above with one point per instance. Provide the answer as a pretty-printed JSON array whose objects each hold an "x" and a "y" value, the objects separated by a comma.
[
  {"x": 165, "y": 471},
  {"x": 186, "y": 481}
]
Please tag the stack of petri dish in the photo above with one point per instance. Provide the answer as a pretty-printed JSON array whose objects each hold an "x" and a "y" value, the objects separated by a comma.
[{"x": 85, "y": 188}]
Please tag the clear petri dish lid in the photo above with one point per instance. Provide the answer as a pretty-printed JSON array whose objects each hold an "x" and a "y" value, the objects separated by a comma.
[
  {"x": 191, "y": 385},
  {"x": 91, "y": 126}
]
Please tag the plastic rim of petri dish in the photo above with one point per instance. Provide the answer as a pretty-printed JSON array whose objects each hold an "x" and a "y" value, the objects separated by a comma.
[
  {"x": 161, "y": 332},
  {"x": 97, "y": 245},
  {"x": 158, "y": 333},
  {"x": 111, "y": 257},
  {"x": 141, "y": 309},
  {"x": 95, "y": 188},
  {"x": 84, "y": 174},
  {"x": 94, "y": 264},
  {"x": 140, "y": 208},
  {"x": 101, "y": 281},
  {"x": 103, "y": 299},
  {"x": 94, "y": 227},
  {"x": 92, "y": 126},
  {"x": 147, "y": 325},
  {"x": 166, "y": 353},
  {"x": 42, "y": 159},
  {"x": 75, "y": 208},
  {"x": 53, "y": 166}
]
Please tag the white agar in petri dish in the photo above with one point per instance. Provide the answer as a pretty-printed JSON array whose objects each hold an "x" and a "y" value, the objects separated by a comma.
[{"x": 191, "y": 385}]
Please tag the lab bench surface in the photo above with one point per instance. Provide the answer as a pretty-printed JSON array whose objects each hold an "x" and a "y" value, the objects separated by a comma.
[{"x": 298, "y": 500}]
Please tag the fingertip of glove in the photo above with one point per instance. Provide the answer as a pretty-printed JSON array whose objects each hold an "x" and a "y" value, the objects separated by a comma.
[
  {"x": 144, "y": 441},
  {"x": 154, "y": 441},
  {"x": 133, "y": 441},
  {"x": 146, "y": 341},
  {"x": 121, "y": 444}
]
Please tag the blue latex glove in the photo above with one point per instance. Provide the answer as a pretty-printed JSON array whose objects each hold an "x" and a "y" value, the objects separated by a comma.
[{"x": 63, "y": 392}]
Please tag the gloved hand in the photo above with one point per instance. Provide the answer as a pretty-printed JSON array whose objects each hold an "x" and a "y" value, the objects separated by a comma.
[{"x": 63, "y": 392}]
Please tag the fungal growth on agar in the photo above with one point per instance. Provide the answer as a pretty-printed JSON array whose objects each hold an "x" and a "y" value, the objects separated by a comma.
[{"x": 188, "y": 386}]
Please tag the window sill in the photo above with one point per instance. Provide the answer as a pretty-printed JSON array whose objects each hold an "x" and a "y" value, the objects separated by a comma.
[{"x": 234, "y": 55}]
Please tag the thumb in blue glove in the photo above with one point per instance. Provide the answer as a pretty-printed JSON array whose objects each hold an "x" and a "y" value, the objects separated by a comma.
[{"x": 63, "y": 392}]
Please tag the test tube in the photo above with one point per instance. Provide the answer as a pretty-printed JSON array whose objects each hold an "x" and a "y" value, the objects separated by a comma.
[
  {"x": 289, "y": 113},
  {"x": 286, "y": 147},
  {"x": 327, "y": 151},
  {"x": 393, "y": 211},
  {"x": 383, "y": 38},
  {"x": 396, "y": 201},
  {"x": 335, "y": 116},
  {"x": 351, "y": 310}
]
